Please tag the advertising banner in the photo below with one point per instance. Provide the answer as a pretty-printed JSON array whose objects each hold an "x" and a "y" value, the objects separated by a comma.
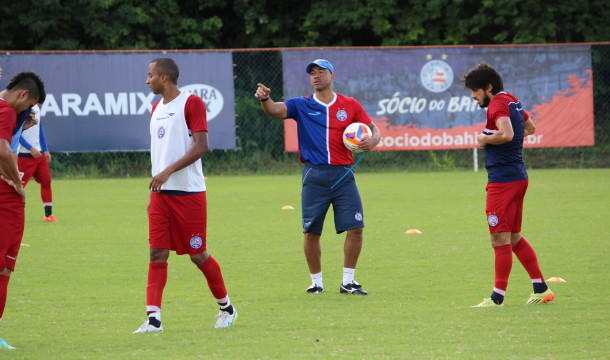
[
  {"x": 100, "y": 101},
  {"x": 418, "y": 100}
]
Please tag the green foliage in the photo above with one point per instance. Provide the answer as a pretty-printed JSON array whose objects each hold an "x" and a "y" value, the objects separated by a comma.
[
  {"x": 192, "y": 24},
  {"x": 79, "y": 287}
]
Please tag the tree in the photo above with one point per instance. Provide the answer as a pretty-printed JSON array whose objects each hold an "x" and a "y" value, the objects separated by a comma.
[{"x": 202, "y": 24}]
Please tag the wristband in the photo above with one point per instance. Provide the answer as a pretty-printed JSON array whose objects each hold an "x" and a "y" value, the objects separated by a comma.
[{"x": 263, "y": 100}]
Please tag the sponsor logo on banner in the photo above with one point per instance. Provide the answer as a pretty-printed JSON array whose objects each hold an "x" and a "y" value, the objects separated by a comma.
[
  {"x": 124, "y": 103},
  {"x": 211, "y": 96}
]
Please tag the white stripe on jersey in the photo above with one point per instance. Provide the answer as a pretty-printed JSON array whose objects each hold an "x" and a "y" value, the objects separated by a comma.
[{"x": 327, "y": 106}]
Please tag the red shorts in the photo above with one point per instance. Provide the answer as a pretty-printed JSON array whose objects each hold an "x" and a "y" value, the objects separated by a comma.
[
  {"x": 504, "y": 206},
  {"x": 178, "y": 222},
  {"x": 37, "y": 167},
  {"x": 12, "y": 221}
]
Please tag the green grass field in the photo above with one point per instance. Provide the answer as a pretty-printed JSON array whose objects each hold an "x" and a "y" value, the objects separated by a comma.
[{"x": 79, "y": 288}]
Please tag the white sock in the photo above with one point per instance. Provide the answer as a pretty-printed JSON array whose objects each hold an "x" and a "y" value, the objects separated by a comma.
[
  {"x": 152, "y": 308},
  {"x": 225, "y": 300},
  {"x": 156, "y": 315},
  {"x": 316, "y": 279},
  {"x": 348, "y": 276}
]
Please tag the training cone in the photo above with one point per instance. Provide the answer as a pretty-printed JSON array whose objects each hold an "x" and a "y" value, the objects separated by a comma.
[
  {"x": 555, "y": 279},
  {"x": 412, "y": 231},
  {"x": 287, "y": 207}
]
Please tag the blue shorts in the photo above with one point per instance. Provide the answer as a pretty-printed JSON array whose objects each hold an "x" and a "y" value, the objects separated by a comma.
[{"x": 316, "y": 198}]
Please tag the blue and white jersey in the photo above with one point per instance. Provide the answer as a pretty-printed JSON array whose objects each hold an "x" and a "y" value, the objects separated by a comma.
[
  {"x": 504, "y": 162},
  {"x": 320, "y": 127}
]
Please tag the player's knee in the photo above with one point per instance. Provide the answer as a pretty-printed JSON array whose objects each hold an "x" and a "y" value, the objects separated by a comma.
[
  {"x": 6, "y": 272},
  {"x": 159, "y": 255},
  {"x": 356, "y": 231},
  {"x": 200, "y": 258}
]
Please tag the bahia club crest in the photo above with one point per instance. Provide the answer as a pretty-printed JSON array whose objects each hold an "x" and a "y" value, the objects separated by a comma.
[{"x": 436, "y": 76}]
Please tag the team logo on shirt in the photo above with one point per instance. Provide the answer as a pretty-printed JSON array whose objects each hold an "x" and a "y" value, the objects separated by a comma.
[
  {"x": 358, "y": 216},
  {"x": 161, "y": 132},
  {"x": 196, "y": 242},
  {"x": 342, "y": 115},
  {"x": 436, "y": 76},
  {"x": 492, "y": 220}
]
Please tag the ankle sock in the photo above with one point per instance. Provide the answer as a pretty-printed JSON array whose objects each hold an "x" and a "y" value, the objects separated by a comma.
[{"x": 228, "y": 309}]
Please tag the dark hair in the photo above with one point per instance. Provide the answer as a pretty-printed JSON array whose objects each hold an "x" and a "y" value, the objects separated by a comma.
[
  {"x": 482, "y": 75},
  {"x": 27, "y": 80},
  {"x": 167, "y": 66}
]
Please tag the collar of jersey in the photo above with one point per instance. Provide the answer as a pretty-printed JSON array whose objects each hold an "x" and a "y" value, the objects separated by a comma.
[{"x": 324, "y": 104}]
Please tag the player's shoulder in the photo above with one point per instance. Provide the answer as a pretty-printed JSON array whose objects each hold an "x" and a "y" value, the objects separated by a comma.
[
  {"x": 300, "y": 100},
  {"x": 344, "y": 100},
  {"x": 506, "y": 97},
  {"x": 7, "y": 110},
  {"x": 191, "y": 97},
  {"x": 155, "y": 105},
  {"x": 4, "y": 104},
  {"x": 303, "y": 98}
]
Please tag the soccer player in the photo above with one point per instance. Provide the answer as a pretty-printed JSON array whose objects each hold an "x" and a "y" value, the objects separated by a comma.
[
  {"x": 23, "y": 91},
  {"x": 34, "y": 159},
  {"x": 502, "y": 140},
  {"x": 177, "y": 214},
  {"x": 321, "y": 119}
]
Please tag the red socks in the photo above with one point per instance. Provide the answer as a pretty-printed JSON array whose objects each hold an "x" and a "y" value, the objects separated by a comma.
[
  {"x": 157, "y": 278},
  {"x": 527, "y": 256},
  {"x": 46, "y": 193},
  {"x": 3, "y": 292},
  {"x": 211, "y": 271},
  {"x": 503, "y": 265}
]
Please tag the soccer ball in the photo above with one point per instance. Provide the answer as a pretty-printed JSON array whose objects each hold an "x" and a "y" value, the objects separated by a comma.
[{"x": 354, "y": 133}]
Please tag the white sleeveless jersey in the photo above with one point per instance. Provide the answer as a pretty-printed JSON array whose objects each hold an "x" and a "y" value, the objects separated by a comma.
[
  {"x": 170, "y": 139},
  {"x": 32, "y": 135}
]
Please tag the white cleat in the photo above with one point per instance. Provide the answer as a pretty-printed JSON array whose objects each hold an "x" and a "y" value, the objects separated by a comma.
[
  {"x": 224, "y": 319},
  {"x": 148, "y": 328}
]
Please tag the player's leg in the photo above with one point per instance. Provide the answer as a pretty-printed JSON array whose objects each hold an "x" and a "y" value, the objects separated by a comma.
[
  {"x": 42, "y": 175},
  {"x": 157, "y": 279},
  {"x": 315, "y": 201},
  {"x": 4, "y": 280},
  {"x": 347, "y": 207},
  {"x": 11, "y": 233},
  {"x": 213, "y": 274},
  {"x": 26, "y": 165},
  {"x": 159, "y": 236},
  {"x": 527, "y": 256},
  {"x": 503, "y": 263},
  {"x": 351, "y": 250},
  {"x": 313, "y": 255},
  {"x": 497, "y": 201},
  {"x": 189, "y": 228}
]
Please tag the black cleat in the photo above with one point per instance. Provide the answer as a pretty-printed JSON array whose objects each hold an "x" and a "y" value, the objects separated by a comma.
[
  {"x": 315, "y": 289},
  {"x": 353, "y": 288}
]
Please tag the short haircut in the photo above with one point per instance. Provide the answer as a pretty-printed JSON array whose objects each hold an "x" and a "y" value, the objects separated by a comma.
[
  {"x": 482, "y": 75},
  {"x": 27, "y": 80},
  {"x": 167, "y": 66}
]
